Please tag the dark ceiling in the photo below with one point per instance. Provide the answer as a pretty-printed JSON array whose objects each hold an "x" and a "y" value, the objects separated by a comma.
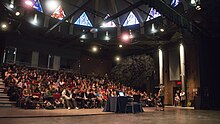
[{"x": 65, "y": 34}]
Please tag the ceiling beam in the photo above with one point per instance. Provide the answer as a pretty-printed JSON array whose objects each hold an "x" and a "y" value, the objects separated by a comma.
[
  {"x": 129, "y": 8},
  {"x": 115, "y": 9}
]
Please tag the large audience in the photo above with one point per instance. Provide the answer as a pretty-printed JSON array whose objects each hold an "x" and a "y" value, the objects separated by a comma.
[{"x": 49, "y": 89}]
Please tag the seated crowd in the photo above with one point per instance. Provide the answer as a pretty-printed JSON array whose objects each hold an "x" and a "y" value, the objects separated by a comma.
[{"x": 34, "y": 88}]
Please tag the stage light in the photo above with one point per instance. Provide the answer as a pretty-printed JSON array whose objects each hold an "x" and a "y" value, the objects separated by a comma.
[
  {"x": 125, "y": 37},
  {"x": 198, "y": 7},
  {"x": 162, "y": 30},
  {"x": 117, "y": 58},
  {"x": 193, "y": 2},
  {"x": 11, "y": 4},
  {"x": 17, "y": 13},
  {"x": 29, "y": 3},
  {"x": 94, "y": 49},
  {"x": 4, "y": 26},
  {"x": 52, "y": 5},
  {"x": 120, "y": 46}
]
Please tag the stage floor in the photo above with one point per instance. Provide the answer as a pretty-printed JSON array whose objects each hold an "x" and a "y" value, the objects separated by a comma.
[{"x": 171, "y": 115}]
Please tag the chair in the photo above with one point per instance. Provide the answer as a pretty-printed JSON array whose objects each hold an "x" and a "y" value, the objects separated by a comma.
[
  {"x": 56, "y": 96},
  {"x": 135, "y": 102}
]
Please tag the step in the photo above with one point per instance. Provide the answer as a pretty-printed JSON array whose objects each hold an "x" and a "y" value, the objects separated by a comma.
[
  {"x": 2, "y": 87},
  {"x": 4, "y": 99},
  {"x": 4, "y": 96},
  {"x": 6, "y": 105},
  {"x": 7, "y": 102},
  {"x": 1, "y": 80},
  {"x": 1, "y": 90}
]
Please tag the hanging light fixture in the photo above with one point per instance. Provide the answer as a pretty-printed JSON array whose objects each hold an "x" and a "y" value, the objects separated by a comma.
[
  {"x": 83, "y": 36},
  {"x": 106, "y": 36},
  {"x": 196, "y": 4},
  {"x": 11, "y": 4},
  {"x": 153, "y": 30},
  {"x": 34, "y": 21}
]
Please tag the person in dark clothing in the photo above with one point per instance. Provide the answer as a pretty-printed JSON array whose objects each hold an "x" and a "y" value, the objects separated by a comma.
[{"x": 70, "y": 101}]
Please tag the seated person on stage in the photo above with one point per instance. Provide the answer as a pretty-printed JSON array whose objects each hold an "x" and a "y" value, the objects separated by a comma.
[
  {"x": 150, "y": 100},
  {"x": 100, "y": 100},
  {"x": 78, "y": 97},
  {"x": 92, "y": 99},
  {"x": 70, "y": 101},
  {"x": 84, "y": 96}
]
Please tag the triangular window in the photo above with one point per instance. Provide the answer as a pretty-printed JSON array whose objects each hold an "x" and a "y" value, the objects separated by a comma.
[
  {"x": 174, "y": 3},
  {"x": 131, "y": 20},
  {"x": 36, "y": 5},
  {"x": 58, "y": 13},
  {"x": 153, "y": 14},
  {"x": 83, "y": 20},
  {"x": 108, "y": 24}
]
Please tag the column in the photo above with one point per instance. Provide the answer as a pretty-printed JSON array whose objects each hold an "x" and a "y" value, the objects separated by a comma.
[
  {"x": 56, "y": 62},
  {"x": 35, "y": 58},
  {"x": 182, "y": 66},
  {"x": 161, "y": 66}
]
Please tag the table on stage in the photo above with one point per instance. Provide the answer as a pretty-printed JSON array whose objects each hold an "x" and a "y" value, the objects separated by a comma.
[{"x": 117, "y": 104}]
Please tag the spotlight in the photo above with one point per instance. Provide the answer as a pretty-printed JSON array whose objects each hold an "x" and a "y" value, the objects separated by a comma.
[
  {"x": 11, "y": 6},
  {"x": 120, "y": 46},
  {"x": 94, "y": 49},
  {"x": 52, "y": 5},
  {"x": 198, "y": 7},
  {"x": 17, "y": 13},
  {"x": 162, "y": 30},
  {"x": 125, "y": 37},
  {"x": 29, "y": 3},
  {"x": 193, "y": 2},
  {"x": 117, "y": 58},
  {"x": 4, "y": 26}
]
